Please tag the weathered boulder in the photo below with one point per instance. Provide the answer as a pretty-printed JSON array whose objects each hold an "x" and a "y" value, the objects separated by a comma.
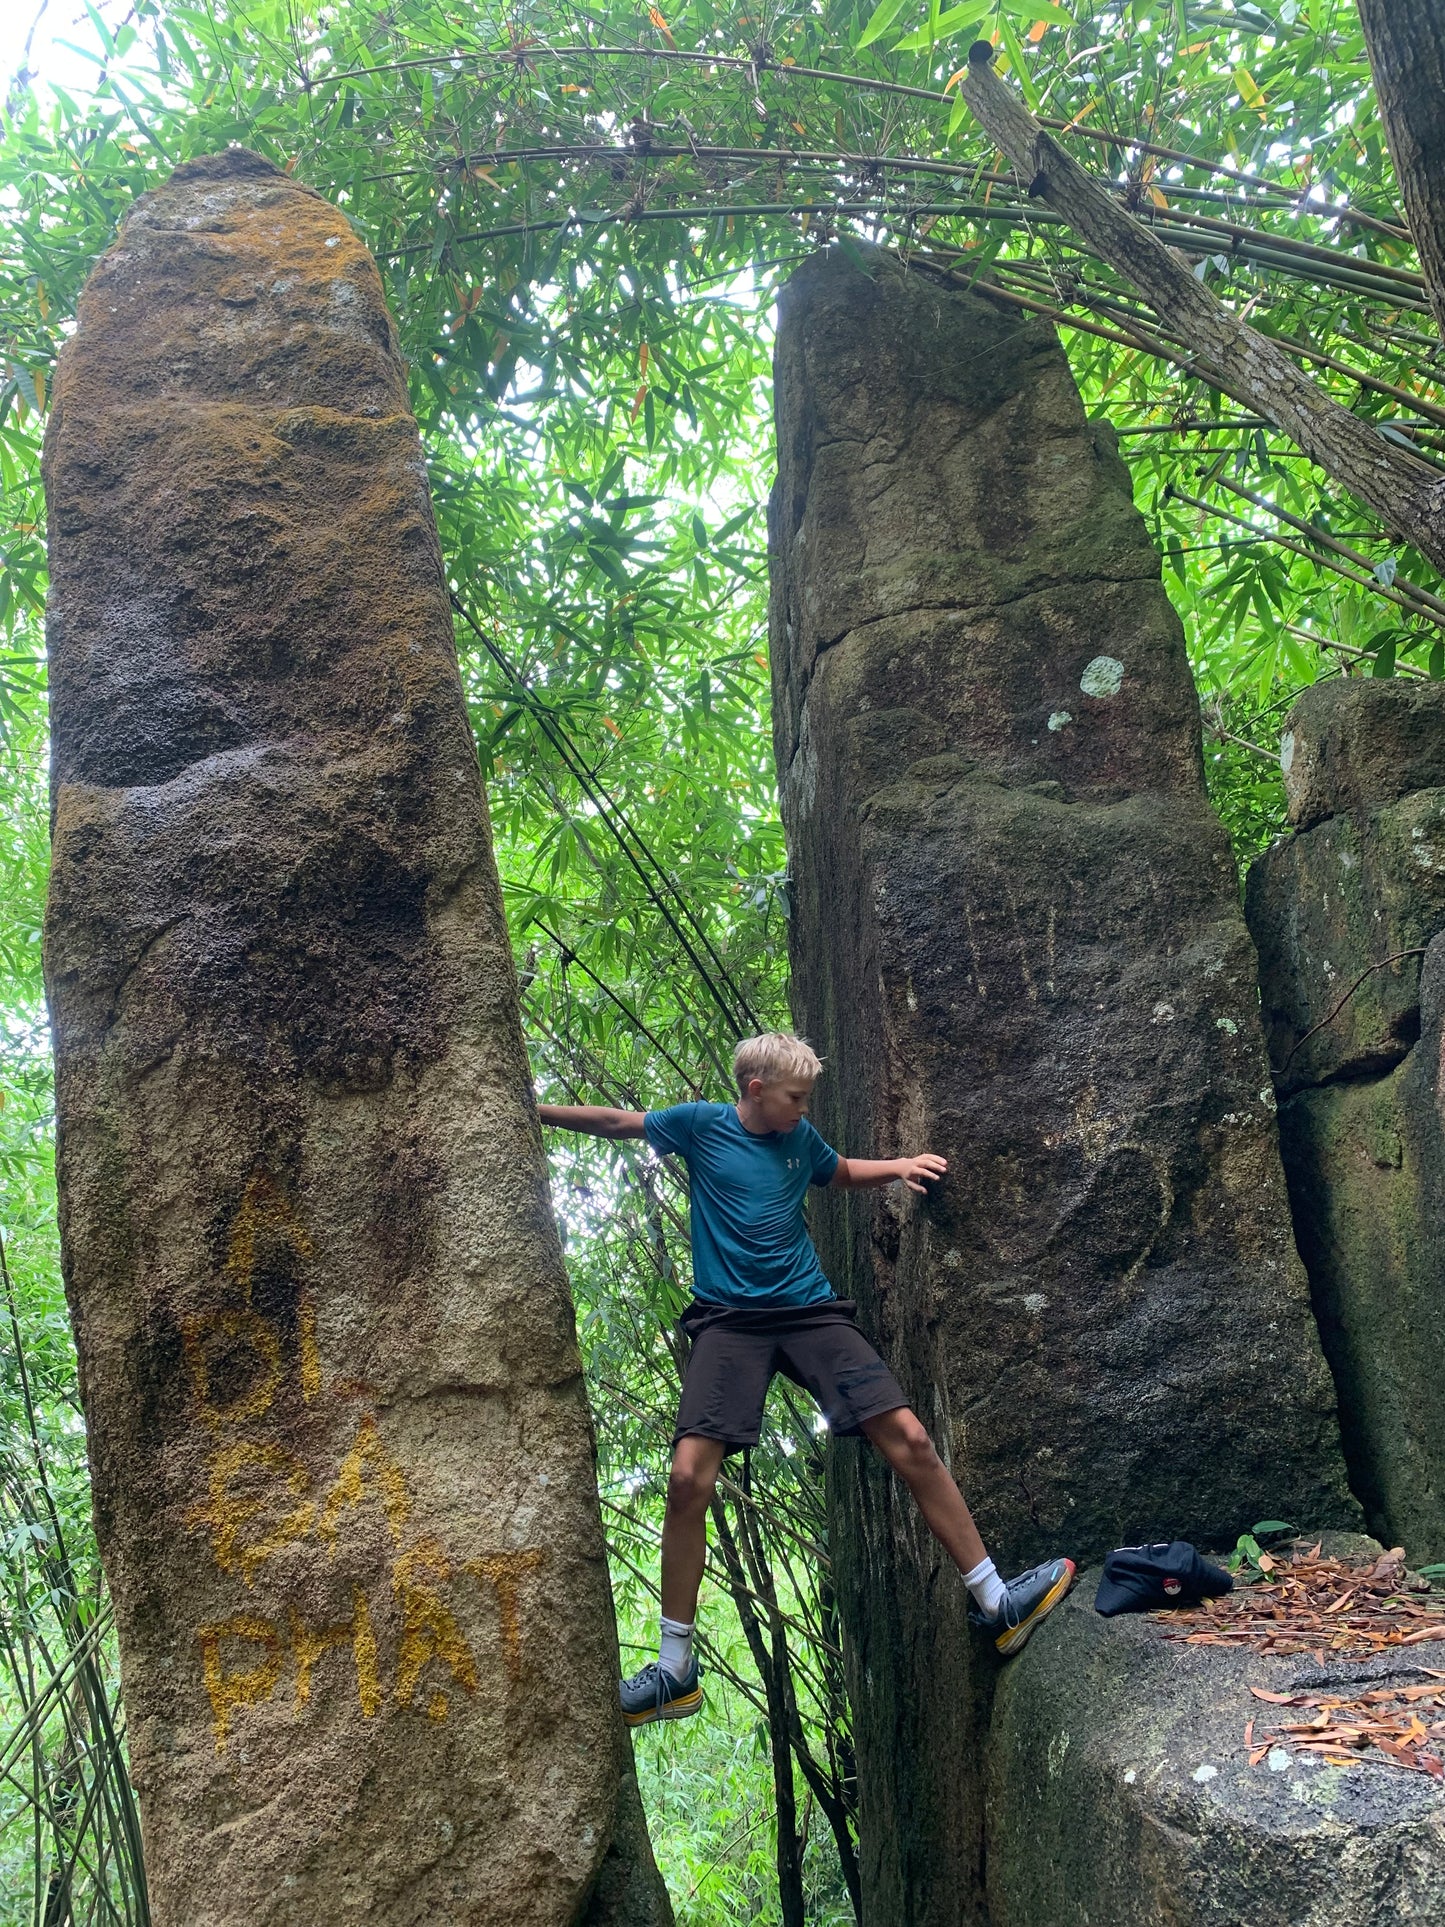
[
  {"x": 1016, "y": 939},
  {"x": 1121, "y": 1795},
  {"x": 1347, "y": 914},
  {"x": 1359, "y": 743},
  {"x": 342, "y": 1459}
]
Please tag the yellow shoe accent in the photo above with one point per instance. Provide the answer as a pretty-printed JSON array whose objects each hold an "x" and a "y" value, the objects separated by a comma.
[
  {"x": 674, "y": 1709},
  {"x": 1013, "y": 1637}
]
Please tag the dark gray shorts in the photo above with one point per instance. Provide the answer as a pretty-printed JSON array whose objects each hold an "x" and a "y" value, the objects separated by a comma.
[{"x": 735, "y": 1352}]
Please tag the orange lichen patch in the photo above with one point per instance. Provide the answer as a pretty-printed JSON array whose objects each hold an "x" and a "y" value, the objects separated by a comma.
[{"x": 1327, "y": 1607}]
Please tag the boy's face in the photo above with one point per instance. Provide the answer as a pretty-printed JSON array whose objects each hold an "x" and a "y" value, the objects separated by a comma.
[{"x": 778, "y": 1107}]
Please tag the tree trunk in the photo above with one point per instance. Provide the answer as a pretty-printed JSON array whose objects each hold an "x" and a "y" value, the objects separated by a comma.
[
  {"x": 1406, "y": 43},
  {"x": 1405, "y": 491},
  {"x": 341, "y": 1456},
  {"x": 772, "y": 1664}
]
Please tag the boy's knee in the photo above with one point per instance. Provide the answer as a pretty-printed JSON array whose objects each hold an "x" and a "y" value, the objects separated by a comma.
[
  {"x": 690, "y": 1489},
  {"x": 908, "y": 1444}
]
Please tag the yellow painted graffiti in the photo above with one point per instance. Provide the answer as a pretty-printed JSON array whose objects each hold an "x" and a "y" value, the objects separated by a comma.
[
  {"x": 227, "y": 1513},
  {"x": 203, "y": 1337},
  {"x": 504, "y": 1571},
  {"x": 264, "y": 1207},
  {"x": 308, "y": 1643},
  {"x": 367, "y": 1451},
  {"x": 261, "y": 1497},
  {"x": 252, "y": 1684},
  {"x": 428, "y": 1626}
]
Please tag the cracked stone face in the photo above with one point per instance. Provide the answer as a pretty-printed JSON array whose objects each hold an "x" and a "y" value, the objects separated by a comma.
[
  {"x": 1348, "y": 914},
  {"x": 341, "y": 1455},
  {"x": 1016, "y": 941}
]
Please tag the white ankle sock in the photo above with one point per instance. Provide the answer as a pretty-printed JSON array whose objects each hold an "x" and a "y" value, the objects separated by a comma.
[
  {"x": 986, "y": 1587},
  {"x": 675, "y": 1657}
]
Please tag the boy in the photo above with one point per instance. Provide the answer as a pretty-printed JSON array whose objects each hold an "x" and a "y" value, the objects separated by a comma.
[{"x": 761, "y": 1305}]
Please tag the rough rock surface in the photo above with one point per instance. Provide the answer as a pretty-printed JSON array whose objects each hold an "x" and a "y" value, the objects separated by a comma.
[
  {"x": 1120, "y": 1793},
  {"x": 1017, "y": 941},
  {"x": 342, "y": 1459},
  {"x": 1362, "y": 1124}
]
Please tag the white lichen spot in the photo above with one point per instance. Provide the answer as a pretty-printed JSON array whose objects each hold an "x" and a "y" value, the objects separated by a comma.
[
  {"x": 1286, "y": 752},
  {"x": 1103, "y": 677},
  {"x": 1130, "y": 1777},
  {"x": 332, "y": 241},
  {"x": 1060, "y": 719},
  {"x": 1348, "y": 859},
  {"x": 911, "y": 998},
  {"x": 1163, "y": 1014},
  {"x": 1034, "y": 1303},
  {"x": 1268, "y": 1099},
  {"x": 1278, "y": 1761},
  {"x": 1227, "y": 1025},
  {"x": 953, "y": 1260},
  {"x": 1302, "y": 1791},
  {"x": 1058, "y": 1747},
  {"x": 1205, "y": 1773}
]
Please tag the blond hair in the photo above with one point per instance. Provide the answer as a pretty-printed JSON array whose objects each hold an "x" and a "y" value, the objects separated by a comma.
[{"x": 774, "y": 1057}]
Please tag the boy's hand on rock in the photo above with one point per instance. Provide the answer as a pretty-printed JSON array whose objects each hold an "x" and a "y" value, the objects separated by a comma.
[{"x": 918, "y": 1173}]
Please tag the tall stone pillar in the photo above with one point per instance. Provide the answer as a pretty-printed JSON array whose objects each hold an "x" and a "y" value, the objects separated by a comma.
[
  {"x": 1016, "y": 939},
  {"x": 342, "y": 1459},
  {"x": 1348, "y": 913}
]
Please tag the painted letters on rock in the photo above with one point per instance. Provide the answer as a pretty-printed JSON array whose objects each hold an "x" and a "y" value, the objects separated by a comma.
[{"x": 341, "y": 1455}]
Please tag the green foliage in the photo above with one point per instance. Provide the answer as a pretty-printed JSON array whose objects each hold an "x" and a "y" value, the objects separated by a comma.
[
  {"x": 1245, "y": 1559},
  {"x": 582, "y": 247}
]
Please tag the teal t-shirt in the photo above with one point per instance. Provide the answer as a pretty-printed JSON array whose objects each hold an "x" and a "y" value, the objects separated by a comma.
[{"x": 749, "y": 1243}]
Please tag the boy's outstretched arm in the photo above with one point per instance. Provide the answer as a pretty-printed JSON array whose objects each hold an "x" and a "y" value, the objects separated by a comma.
[
  {"x": 596, "y": 1120},
  {"x": 917, "y": 1173}
]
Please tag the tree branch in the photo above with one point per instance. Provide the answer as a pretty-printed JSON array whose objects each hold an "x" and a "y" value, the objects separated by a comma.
[
  {"x": 1406, "y": 45},
  {"x": 1247, "y": 365}
]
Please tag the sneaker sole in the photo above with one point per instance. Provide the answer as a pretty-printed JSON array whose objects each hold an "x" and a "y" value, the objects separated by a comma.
[
  {"x": 682, "y": 1708},
  {"x": 1010, "y": 1641}
]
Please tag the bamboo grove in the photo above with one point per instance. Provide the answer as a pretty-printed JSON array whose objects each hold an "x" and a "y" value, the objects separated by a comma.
[{"x": 582, "y": 214}]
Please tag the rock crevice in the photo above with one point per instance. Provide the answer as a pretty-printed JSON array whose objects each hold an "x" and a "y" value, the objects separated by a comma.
[{"x": 1348, "y": 912}]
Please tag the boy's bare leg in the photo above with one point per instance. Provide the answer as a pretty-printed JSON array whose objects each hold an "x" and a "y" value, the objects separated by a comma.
[
  {"x": 695, "y": 1466},
  {"x": 903, "y": 1440}
]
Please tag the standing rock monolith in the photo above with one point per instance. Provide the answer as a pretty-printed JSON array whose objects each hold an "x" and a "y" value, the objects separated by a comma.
[
  {"x": 1348, "y": 914},
  {"x": 342, "y": 1459},
  {"x": 1017, "y": 941}
]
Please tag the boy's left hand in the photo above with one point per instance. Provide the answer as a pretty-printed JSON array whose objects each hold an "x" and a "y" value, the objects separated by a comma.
[{"x": 918, "y": 1173}]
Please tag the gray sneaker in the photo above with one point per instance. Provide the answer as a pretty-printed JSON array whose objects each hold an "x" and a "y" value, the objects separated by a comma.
[
  {"x": 1026, "y": 1600},
  {"x": 654, "y": 1695}
]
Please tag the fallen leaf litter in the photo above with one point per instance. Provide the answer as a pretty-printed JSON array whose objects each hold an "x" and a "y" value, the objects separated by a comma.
[{"x": 1332, "y": 1610}]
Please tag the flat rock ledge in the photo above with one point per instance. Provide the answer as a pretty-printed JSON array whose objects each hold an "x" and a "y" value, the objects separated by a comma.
[{"x": 1120, "y": 1790}]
